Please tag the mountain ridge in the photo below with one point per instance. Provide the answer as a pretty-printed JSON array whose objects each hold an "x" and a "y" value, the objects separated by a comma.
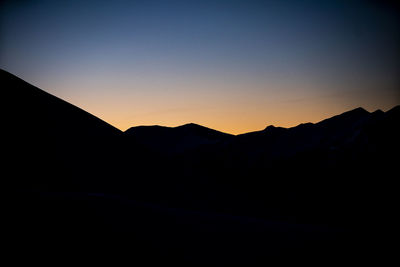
[
  {"x": 6, "y": 76},
  {"x": 70, "y": 176}
]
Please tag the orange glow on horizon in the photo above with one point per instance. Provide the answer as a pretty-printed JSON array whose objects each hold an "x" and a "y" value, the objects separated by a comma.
[
  {"x": 232, "y": 121},
  {"x": 229, "y": 106}
]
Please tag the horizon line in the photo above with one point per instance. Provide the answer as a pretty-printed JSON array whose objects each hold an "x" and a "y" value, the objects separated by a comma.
[{"x": 199, "y": 124}]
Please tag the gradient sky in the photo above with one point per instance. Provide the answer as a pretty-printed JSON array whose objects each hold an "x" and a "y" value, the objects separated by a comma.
[{"x": 235, "y": 66}]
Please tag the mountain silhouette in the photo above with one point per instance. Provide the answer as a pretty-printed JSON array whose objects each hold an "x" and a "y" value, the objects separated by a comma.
[
  {"x": 47, "y": 114},
  {"x": 172, "y": 140},
  {"x": 194, "y": 195},
  {"x": 51, "y": 137},
  {"x": 274, "y": 142}
]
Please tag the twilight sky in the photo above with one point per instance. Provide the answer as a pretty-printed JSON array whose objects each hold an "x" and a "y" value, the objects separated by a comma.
[{"x": 235, "y": 66}]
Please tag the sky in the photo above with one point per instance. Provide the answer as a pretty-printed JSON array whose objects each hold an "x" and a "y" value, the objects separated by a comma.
[{"x": 235, "y": 66}]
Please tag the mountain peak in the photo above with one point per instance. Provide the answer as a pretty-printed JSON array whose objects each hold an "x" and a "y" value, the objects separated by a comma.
[
  {"x": 378, "y": 111},
  {"x": 144, "y": 128},
  {"x": 269, "y": 128},
  {"x": 359, "y": 110},
  {"x": 355, "y": 113},
  {"x": 190, "y": 125},
  {"x": 351, "y": 115}
]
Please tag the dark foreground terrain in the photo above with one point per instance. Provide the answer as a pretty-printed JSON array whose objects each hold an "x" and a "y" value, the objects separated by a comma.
[{"x": 76, "y": 186}]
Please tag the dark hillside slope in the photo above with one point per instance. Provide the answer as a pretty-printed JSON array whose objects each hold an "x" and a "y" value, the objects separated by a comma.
[
  {"x": 51, "y": 142},
  {"x": 33, "y": 111}
]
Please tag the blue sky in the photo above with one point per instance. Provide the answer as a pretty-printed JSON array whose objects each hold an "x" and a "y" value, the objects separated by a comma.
[{"x": 232, "y": 65}]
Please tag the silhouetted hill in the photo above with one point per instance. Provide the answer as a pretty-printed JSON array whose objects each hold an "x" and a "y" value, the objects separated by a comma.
[
  {"x": 48, "y": 137},
  {"x": 172, "y": 140},
  {"x": 190, "y": 194},
  {"x": 276, "y": 142},
  {"x": 33, "y": 108}
]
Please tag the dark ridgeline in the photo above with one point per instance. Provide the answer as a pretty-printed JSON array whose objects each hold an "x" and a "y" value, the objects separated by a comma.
[
  {"x": 172, "y": 140},
  {"x": 51, "y": 142},
  {"x": 191, "y": 194}
]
